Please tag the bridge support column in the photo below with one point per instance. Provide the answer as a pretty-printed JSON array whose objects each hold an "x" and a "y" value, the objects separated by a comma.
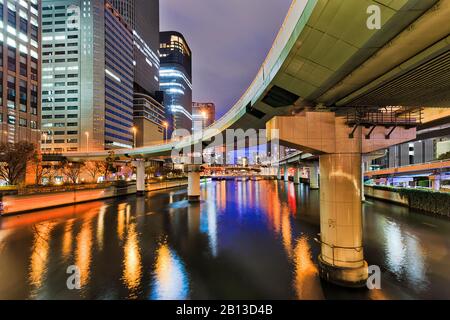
[
  {"x": 279, "y": 173},
  {"x": 193, "y": 182},
  {"x": 436, "y": 182},
  {"x": 314, "y": 177},
  {"x": 286, "y": 174},
  {"x": 297, "y": 176},
  {"x": 342, "y": 257},
  {"x": 140, "y": 177},
  {"x": 340, "y": 147},
  {"x": 364, "y": 169}
]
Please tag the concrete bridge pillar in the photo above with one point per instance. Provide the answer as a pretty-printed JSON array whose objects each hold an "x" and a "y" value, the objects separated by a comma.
[
  {"x": 286, "y": 174},
  {"x": 140, "y": 176},
  {"x": 340, "y": 147},
  {"x": 193, "y": 172},
  {"x": 342, "y": 257},
  {"x": 297, "y": 176},
  {"x": 364, "y": 169},
  {"x": 314, "y": 177},
  {"x": 436, "y": 182},
  {"x": 279, "y": 173}
]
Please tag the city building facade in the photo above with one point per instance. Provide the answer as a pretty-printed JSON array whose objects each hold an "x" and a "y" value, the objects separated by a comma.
[
  {"x": 176, "y": 79},
  {"x": 87, "y": 88},
  {"x": 203, "y": 115},
  {"x": 20, "y": 71},
  {"x": 432, "y": 143},
  {"x": 149, "y": 120},
  {"x": 143, "y": 18}
]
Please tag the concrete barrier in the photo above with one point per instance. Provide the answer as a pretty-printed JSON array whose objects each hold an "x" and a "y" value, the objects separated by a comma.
[
  {"x": 14, "y": 204},
  {"x": 386, "y": 195}
]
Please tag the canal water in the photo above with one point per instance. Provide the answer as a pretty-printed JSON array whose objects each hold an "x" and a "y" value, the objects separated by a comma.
[{"x": 246, "y": 240}]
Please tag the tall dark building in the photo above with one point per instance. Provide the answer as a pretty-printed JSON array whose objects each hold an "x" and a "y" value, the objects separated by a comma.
[
  {"x": 176, "y": 79},
  {"x": 143, "y": 18}
]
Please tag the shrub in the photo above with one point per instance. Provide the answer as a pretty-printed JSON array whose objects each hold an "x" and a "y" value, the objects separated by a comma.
[{"x": 423, "y": 199}]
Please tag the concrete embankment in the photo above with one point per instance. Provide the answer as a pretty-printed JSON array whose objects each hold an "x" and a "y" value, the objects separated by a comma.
[{"x": 14, "y": 204}]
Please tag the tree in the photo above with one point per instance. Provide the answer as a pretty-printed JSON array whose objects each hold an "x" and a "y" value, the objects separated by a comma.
[
  {"x": 37, "y": 168},
  {"x": 95, "y": 169},
  {"x": 72, "y": 171},
  {"x": 444, "y": 156},
  {"x": 110, "y": 168},
  {"x": 150, "y": 171},
  {"x": 50, "y": 171},
  {"x": 13, "y": 160}
]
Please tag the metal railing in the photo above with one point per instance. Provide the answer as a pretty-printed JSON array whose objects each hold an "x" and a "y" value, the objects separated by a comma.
[
  {"x": 333, "y": 248},
  {"x": 388, "y": 116}
]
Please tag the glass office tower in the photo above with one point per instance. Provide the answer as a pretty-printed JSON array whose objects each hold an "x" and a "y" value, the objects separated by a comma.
[
  {"x": 87, "y": 89},
  {"x": 143, "y": 17},
  {"x": 176, "y": 78}
]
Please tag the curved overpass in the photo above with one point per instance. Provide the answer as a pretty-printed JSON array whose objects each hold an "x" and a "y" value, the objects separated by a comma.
[{"x": 325, "y": 55}]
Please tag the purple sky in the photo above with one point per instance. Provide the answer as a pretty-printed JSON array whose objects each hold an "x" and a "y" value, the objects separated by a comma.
[{"x": 229, "y": 41}]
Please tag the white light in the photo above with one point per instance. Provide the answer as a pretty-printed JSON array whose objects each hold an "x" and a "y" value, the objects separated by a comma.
[
  {"x": 11, "y": 42},
  {"x": 11, "y": 30},
  {"x": 34, "y": 54},
  {"x": 23, "y": 48},
  {"x": 112, "y": 75}
]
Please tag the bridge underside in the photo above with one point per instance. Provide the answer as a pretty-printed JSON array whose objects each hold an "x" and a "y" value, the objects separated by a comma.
[{"x": 325, "y": 56}]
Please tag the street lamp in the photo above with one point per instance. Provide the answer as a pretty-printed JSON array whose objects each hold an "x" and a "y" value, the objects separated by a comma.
[
  {"x": 87, "y": 141},
  {"x": 45, "y": 135},
  {"x": 204, "y": 118},
  {"x": 134, "y": 129},
  {"x": 166, "y": 126}
]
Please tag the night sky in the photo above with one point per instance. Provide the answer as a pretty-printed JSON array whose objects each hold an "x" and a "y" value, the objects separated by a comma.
[{"x": 229, "y": 41}]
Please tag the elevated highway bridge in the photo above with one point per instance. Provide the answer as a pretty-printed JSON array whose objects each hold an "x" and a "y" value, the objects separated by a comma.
[{"x": 326, "y": 60}]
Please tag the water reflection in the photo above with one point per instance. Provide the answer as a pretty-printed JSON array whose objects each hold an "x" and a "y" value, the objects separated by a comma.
[
  {"x": 83, "y": 252},
  {"x": 67, "y": 239},
  {"x": 307, "y": 283},
  {"x": 39, "y": 256},
  {"x": 121, "y": 220},
  {"x": 101, "y": 227},
  {"x": 132, "y": 271},
  {"x": 170, "y": 277},
  {"x": 405, "y": 256},
  {"x": 250, "y": 240}
]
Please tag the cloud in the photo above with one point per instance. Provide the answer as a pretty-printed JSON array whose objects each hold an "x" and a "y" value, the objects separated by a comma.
[{"x": 229, "y": 41}]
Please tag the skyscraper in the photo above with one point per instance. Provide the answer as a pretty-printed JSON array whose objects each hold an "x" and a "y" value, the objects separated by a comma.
[
  {"x": 20, "y": 71},
  {"x": 203, "y": 115},
  {"x": 87, "y": 89},
  {"x": 176, "y": 78},
  {"x": 143, "y": 18}
]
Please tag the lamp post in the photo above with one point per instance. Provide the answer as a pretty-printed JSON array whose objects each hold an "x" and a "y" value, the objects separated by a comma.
[
  {"x": 204, "y": 118},
  {"x": 166, "y": 126},
  {"x": 45, "y": 135},
  {"x": 87, "y": 141},
  {"x": 134, "y": 129}
]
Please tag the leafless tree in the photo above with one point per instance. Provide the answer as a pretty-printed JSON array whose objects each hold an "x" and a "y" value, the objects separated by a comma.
[
  {"x": 13, "y": 160},
  {"x": 95, "y": 169},
  {"x": 72, "y": 171}
]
